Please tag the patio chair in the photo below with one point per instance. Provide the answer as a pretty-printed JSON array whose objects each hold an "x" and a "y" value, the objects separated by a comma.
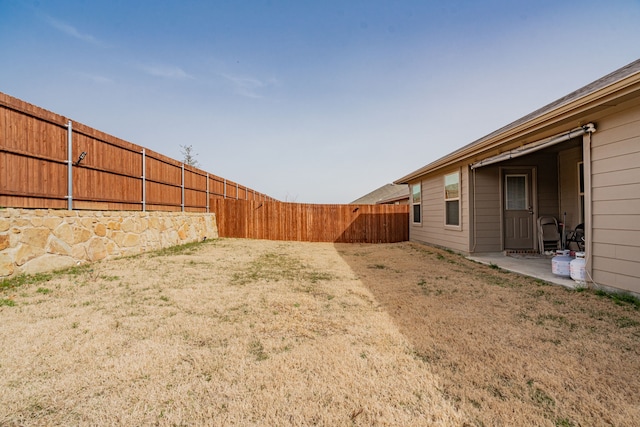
[
  {"x": 575, "y": 239},
  {"x": 548, "y": 234}
]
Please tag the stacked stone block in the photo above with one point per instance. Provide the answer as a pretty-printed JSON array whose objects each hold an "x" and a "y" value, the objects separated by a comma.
[{"x": 38, "y": 240}]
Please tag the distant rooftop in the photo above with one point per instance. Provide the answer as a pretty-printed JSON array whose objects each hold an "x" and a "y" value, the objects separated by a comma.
[{"x": 388, "y": 193}]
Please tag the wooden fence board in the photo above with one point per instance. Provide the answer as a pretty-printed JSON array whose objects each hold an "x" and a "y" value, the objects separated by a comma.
[
  {"x": 34, "y": 174},
  {"x": 28, "y": 176},
  {"x": 160, "y": 171},
  {"x": 159, "y": 194},
  {"x": 216, "y": 185},
  {"x": 101, "y": 155},
  {"x": 95, "y": 185},
  {"x": 195, "y": 180},
  {"x": 34, "y": 169},
  {"x": 311, "y": 223},
  {"x": 195, "y": 198}
]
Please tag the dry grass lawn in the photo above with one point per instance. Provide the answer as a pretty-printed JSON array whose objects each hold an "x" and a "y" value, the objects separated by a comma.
[{"x": 241, "y": 332}]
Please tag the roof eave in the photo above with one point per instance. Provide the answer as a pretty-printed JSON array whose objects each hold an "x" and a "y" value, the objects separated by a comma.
[
  {"x": 393, "y": 199},
  {"x": 591, "y": 100}
]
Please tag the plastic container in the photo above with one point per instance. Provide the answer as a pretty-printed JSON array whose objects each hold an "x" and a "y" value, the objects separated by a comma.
[
  {"x": 561, "y": 263},
  {"x": 577, "y": 268}
]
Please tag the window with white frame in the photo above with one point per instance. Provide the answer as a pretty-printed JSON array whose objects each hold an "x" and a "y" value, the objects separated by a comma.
[
  {"x": 416, "y": 201},
  {"x": 452, "y": 199}
]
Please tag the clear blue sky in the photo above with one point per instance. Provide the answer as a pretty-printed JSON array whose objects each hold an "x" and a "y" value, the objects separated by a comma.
[{"x": 309, "y": 101}]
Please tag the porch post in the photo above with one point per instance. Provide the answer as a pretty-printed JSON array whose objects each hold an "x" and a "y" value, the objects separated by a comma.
[{"x": 588, "y": 222}]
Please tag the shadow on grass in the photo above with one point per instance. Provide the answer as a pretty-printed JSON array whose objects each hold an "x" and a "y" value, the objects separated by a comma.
[{"x": 509, "y": 349}]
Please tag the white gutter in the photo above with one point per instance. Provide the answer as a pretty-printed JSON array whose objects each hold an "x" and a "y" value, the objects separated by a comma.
[{"x": 535, "y": 146}]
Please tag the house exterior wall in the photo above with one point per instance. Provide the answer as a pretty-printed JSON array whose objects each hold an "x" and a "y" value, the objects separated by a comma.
[
  {"x": 433, "y": 230},
  {"x": 615, "y": 200},
  {"x": 545, "y": 179},
  {"x": 569, "y": 185},
  {"x": 487, "y": 204},
  {"x": 487, "y": 199},
  {"x": 482, "y": 233},
  {"x": 547, "y": 185},
  {"x": 611, "y": 164}
]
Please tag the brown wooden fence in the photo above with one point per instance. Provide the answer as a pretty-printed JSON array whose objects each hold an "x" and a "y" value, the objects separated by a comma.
[
  {"x": 40, "y": 167},
  {"x": 48, "y": 161},
  {"x": 311, "y": 223}
]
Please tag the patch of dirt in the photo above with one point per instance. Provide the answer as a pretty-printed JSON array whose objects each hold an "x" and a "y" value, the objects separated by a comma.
[{"x": 252, "y": 332}]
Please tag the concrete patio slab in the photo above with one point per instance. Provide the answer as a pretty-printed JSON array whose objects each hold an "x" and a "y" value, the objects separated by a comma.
[{"x": 530, "y": 265}]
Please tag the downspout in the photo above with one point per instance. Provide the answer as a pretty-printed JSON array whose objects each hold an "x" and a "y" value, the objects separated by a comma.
[{"x": 588, "y": 220}]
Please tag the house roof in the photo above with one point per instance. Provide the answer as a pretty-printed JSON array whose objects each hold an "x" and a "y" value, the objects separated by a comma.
[
  {"x": 386, "y": 194},
  {"x": 617, "y": 83}
]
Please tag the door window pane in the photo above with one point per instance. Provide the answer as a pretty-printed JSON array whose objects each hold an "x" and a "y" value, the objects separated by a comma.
[{"x": 516, "y": 192}]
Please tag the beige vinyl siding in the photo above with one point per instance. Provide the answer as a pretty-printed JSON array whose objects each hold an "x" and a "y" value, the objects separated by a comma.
[
  {"x": 615, "y": 180},
  {"x": 546, "y": 180},
  {"x": 568, "y": 161},
  {"x": 547, "y": 186},
  {"x": 487, "y": 210},
  {"x": 487, "y": 199},
  {"x": 433, "y": 230}
]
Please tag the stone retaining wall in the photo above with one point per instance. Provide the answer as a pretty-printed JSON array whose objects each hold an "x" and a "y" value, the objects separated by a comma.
[{"x": 37, "y": 240}]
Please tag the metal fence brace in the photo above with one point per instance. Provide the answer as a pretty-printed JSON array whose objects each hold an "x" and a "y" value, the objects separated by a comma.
[
  {"x": 144, "y": 180},
  {"x": 69, "y": 166},
  {"x": 182, "y": 204}
]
